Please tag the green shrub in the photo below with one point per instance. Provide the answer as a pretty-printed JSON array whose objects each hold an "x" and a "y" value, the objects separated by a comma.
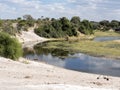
[{"x": 9, "y": 47}]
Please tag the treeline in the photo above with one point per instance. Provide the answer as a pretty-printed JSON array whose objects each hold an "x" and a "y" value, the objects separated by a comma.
[
  {"x": 64, "y": 27},
  {"x": 55, "y": 28},
  {"x": 106, "y": 25}
]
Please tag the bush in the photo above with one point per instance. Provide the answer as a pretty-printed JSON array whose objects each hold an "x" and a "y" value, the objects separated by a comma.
[
  {"x": 9, "y": 47},
  {"x": 56, "y": 29}
]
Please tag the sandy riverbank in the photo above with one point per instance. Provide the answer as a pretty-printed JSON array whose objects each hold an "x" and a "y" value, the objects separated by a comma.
[
  {"x": 39, "y": 76},
  {"x": 117, "y": 41},
  {"x": 29, "y": 36}
]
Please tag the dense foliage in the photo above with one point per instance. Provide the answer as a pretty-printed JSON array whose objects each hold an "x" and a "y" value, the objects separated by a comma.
[
  {"x": 86, "y": 27},
  {"x": 106, "y": 25},
  {"x": 7, "y": 27},
  {"x": 24, "y": 24},
  {"x": 62, "y": 27},
  {"x": 9, "y": 47}
]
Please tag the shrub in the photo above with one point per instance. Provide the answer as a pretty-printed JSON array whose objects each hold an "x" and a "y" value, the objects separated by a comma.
[{"x": 9, "y": 47}]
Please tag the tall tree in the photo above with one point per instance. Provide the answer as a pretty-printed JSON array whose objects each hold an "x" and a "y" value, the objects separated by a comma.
[
  {"x": 65, "y": 23},
  {"x": 30, "y": 20},
  {"x": 86, "y": 27},
  {"x": 105, "y": 25},
  {"x": 114, "y": 24},
  {"x": 75, "y": 21},
  {"x": 27, "y": 17}
]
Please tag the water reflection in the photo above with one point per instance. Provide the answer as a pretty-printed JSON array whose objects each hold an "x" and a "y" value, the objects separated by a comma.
[
  {"x": 106, "y": 38},
  {"x": 54, "y": 52},
  {"x": 96, "y": 65},
  {"x": 74, "y": 61}
]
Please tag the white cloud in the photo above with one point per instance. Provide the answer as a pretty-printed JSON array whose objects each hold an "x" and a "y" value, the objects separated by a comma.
[
  {"x": 117, "y": 11},
  {"x": 26, "y": 3},
  {"x": 17, "y": 1},
  {"x": 2, "y": 7},
  {"x": 86, "y": 9},
  {"x": 6, "y": 8},
  {"x": 71, "y": 1}
]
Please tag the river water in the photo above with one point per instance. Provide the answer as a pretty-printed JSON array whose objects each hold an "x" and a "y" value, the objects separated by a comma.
[
  {"x": 106, "y": 38},
  {"x": 75, "y": 61}
]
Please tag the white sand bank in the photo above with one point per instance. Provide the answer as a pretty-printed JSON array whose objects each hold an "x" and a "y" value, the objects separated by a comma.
[
  {"x": 29, "y": 36},
  {"x": 39, "y": 76}
]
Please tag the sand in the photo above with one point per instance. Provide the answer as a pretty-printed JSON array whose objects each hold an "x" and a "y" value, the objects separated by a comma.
[
  {"x": 30, "y": 75},
  {"x": 29, "y": 36},
  {"x": 117, "y": 41}
]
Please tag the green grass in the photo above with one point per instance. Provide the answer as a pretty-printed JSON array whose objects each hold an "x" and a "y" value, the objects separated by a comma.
[
  {"x": 105, "y": 49},
  {"x": 79, "y": 44},
  {"x": 89, "y": 37},
  {"x": 106, "y": 33}
]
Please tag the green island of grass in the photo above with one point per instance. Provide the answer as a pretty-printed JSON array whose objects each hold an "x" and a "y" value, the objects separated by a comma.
[{"x": 110, "y": 49}]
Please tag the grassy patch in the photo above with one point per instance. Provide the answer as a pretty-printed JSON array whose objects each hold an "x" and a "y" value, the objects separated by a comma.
[
  {"x": 89, "y": 37},
  {"x": 106, "y": 33},
  {"x": 107, "y": 49},
  {"x": 85, "y": 44}
]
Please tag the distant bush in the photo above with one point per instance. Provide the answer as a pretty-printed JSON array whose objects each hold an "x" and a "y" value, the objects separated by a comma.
[{"x": 9, "y": 47}]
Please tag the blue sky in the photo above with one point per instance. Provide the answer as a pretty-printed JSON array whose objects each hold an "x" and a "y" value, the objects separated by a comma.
[{"x": 87, "y": 9}]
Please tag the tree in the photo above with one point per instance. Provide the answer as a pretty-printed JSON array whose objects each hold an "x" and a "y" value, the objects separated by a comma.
[
  {"x": 82, "y": 29},
  {"x": 7, "y": 27},
  {"x": 114, "y": 24},
  {"x": 27, "y": 17},
  {"x": 0, "y": 23},
  {"x": 19, "y": 18},
  {"x": 87, "y": 24},
  {"x": 9, "y": 47},
  {"x": 105, "y": 25},
  {"x": 57, "y": 25},
  {"x": 66, "y": 25},
  {"x": 86, "y": 27},
  {"x": 29, "y": 20},
  {"x": 56, "y": 28},
  {"x": 95, "y": 25},
  {"x": 22, "y": 25},
  {"x": 75, "y": 21}
]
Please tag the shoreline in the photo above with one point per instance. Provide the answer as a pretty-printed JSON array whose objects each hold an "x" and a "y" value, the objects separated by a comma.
[
  {"x": 33, "y": 74},
  {"x": 101, "y": 56},
  {"x": 118, "y": 41}
]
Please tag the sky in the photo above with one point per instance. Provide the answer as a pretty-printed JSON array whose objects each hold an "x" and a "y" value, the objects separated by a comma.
[{"x": 94, "y": 10}]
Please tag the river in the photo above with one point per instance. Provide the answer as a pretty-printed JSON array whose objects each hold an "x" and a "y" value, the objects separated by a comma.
[{"x": 75, "y": 61}]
